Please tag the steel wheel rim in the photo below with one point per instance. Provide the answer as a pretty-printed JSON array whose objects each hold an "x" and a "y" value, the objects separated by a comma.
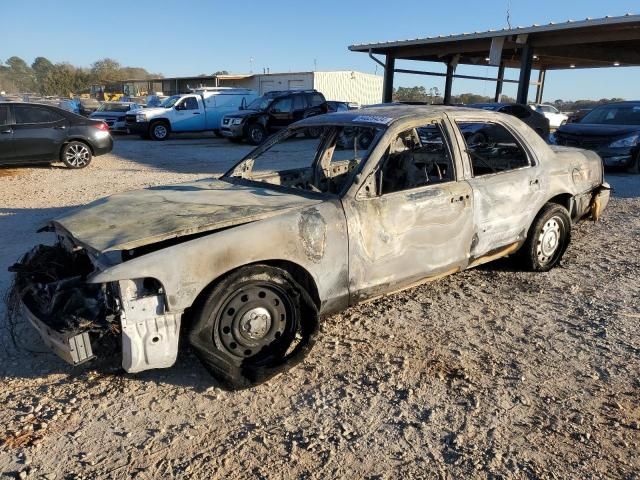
[
  {"x": 253, "y": 319},
  {"x": 549, "y": 240},
  {"x": 160, "y": 131},
  {"x": 256, "y": 135},
  {"x": 77, "y": 155}
]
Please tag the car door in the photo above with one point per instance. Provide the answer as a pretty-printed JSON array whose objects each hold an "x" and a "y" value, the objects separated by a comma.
[
  {"x": 6, "y": 135},
  {"x": 38, "y": 132},
  {"x": 413, "y": 217},
  {"x": 281, "y": 113},
  {"x": 506, "y": 182},
  {"x": 299, "y": 107},
  {"x": 188, "y": 115}
]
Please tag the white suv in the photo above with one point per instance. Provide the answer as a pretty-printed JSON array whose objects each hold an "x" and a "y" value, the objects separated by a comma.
[{"x": 556, "y": 118}]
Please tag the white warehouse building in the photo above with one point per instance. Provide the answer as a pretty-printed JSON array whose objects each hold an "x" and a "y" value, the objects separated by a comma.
[{"x": 343, "y": 85}]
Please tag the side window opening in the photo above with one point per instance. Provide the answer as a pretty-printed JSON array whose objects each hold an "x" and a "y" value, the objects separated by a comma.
[
  {"x": 4, "y": 115},
  {"x": 190, "y": 103},
  {"x": 282, "y": 106},
  {"x": 492, "y": 148},
  {"x": 35, "y": 115},
  {"x": 417, "y": 157}
]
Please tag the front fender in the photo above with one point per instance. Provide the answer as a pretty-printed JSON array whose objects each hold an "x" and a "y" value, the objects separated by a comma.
[{"x": 314, "y": 238}]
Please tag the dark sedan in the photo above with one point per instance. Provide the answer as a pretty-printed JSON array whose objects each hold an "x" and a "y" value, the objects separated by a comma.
[
  {"x": 535, "y": 120},
  {"x": 612, "y": 131},
  {"x": 34, "y": 133}
]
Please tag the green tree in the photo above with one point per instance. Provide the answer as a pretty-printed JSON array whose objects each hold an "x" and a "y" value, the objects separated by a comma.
[
  {"x": 41, "y": 66},
  {"x": 21, "y": 74}
]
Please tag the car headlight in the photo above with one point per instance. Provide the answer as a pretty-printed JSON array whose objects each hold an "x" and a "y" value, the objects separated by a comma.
[
  {"x": 141, "y": 117},
  {"x": 236, "y": 121},
  {"x": 627, "y": 142}
]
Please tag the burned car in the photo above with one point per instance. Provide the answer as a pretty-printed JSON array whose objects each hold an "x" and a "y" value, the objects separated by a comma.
[{"x": 244, "y": 267}]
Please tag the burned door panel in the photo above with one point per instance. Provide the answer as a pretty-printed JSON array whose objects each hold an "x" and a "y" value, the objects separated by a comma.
[{"x": 399, "y": 239}]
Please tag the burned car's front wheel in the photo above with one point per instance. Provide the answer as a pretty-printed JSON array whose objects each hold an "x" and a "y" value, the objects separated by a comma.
[{"x": 253, "y": 323}]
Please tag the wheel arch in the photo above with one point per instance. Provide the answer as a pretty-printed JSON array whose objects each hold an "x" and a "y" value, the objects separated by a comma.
[
  {"x": 75, "y": 139},
  {"x": 299, "y": 273},
  {"x": 564, "y": 199},
  {"x": 162, "y": 120}
]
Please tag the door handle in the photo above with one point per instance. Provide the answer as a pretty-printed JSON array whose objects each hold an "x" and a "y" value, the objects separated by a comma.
[
  {"x": 7, "y": 131},
  {"x": 534, "y": 182},
  {"x": 196, "y": 113},
  {"x": 60, "y": 127}
]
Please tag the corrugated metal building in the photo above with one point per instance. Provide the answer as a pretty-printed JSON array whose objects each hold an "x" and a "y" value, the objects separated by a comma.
[{"x": 346, "y": 86}]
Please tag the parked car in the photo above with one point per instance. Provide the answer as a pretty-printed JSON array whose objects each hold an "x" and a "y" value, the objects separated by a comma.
[
  {"x": 336, "y": 106},
  {"x": 537, "y": 121},
  {"x": 301, "y": 228},
  {"x": 114, "y": 113},
  {"x": 272, "y": 112},
  {"x": 578, "y": 115},
  {"x": 199, "y": 111},
  {"x": 556, "y": 118},
  {"x": 34, "y": 133},
  {"x": 612, "y": 131},
  {"x": 88, "y": 106}
]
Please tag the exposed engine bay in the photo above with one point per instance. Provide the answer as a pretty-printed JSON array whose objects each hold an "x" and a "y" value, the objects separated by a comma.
[{"x": 53, "y": 288}]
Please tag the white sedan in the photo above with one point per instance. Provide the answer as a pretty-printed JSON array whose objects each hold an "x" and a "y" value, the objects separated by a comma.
[{"x": 555, "y": 117}]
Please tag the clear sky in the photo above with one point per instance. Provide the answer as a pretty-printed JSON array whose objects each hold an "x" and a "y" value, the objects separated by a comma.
[{"x": 198, "y": 36}]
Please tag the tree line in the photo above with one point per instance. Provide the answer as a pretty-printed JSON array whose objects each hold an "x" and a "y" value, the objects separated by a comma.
[
  {"x": 421, "y": 94},
  {"x": 47, "y": 78}
]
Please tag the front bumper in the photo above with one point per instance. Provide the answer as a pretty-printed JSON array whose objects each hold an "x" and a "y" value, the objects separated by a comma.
[
  {"x": 53, "y": 290},
  {"x": 74, "y": 349},
  {"x": 232, "y": 131},
  {"x": 138, "y": 127}
]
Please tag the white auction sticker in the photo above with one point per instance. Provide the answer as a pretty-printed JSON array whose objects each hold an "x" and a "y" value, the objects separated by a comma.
[{"x": 373, "y": 119}]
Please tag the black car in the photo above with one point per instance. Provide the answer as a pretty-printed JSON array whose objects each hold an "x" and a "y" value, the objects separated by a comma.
[
  {"x": 612, "y": 131},
  {"x": 271, "y": 112},
  {"x": 34, "y": 133},
  {"x": 535, "y": 120}
]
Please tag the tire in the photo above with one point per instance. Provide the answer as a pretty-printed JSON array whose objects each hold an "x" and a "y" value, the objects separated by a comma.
[
  {"x": 254, "y": 323},
  {"x": 76, "y": 155},
  {"x": 635, "y": 165},
  {"x": 256, "y": 134},
  {"x": 159, "y": 131},
  {"x": 547, "y": 240}
]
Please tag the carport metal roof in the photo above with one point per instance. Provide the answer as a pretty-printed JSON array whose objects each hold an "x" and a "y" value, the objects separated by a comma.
[{"x": 590, "y": 43}]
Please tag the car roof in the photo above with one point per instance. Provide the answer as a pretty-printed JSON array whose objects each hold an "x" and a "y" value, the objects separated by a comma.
[{"x": 383, "y": 114}]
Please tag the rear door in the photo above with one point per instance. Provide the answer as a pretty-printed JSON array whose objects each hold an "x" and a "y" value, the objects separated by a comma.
[
  {"x": 38, "y": 132},
  {"x": 299, "y": 107},
  {"x": 6, "y": 134},
  {"x": 506, "y": 183}
]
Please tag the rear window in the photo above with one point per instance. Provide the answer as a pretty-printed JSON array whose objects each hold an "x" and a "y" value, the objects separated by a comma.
[
  {"x": 316, "y": 99},
  {"x": 32, "y": 114}
]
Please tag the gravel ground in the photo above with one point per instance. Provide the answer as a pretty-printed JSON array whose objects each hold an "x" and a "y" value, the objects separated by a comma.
[{"x": 489, "y": 373}]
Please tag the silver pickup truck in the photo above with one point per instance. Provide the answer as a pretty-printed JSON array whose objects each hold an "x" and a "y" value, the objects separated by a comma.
[{"x": 245, "y": 266}]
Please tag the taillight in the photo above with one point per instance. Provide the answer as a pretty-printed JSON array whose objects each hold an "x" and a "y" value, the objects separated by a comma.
[{"x": 102, "y": 126}]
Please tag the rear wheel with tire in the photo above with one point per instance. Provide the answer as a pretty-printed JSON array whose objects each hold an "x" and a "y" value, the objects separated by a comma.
[
  {"x": 256, "y": 134},
  {"x": 548, "y": 239},
  {"x": 76, "y": 155},
  {"x": 253, "y": 324},
  {"x": 159, "y": 131}
]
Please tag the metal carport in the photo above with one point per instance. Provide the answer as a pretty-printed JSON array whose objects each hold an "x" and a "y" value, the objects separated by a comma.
[{"x": 590, "y": 43}]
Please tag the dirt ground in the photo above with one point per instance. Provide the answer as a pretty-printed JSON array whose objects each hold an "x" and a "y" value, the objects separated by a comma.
[{"x": 489, "y": 373}]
